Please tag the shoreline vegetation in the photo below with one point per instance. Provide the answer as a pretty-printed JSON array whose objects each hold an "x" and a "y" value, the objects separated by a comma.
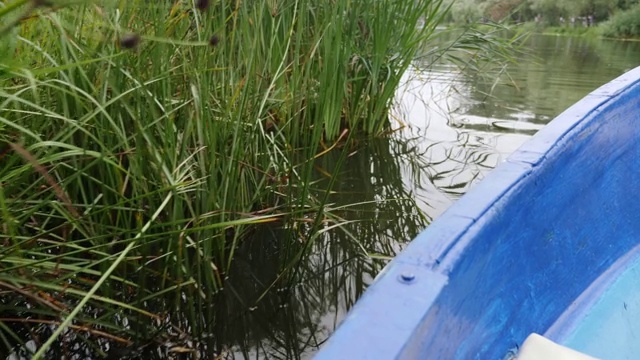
[
  {"x": 597, "y": 31},
  {"x": 143, "y": 143},
  {"x": 618, "y": 19}
]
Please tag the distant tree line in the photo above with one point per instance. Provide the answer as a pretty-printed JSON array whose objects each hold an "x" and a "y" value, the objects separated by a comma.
[{"x": 546, "y": 12}]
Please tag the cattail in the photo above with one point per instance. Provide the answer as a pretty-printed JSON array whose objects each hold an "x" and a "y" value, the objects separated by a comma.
[
  {"x": 202, "y": 5},
  {"x": 214, "y": 40},
  {"x": 130, "y": 41},
  {"x": 42, "y": 3}
]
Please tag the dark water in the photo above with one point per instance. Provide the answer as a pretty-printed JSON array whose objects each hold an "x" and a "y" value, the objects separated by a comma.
[{"x": 452, "y": 129}]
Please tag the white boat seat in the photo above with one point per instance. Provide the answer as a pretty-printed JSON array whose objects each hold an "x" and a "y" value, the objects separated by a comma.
[{"x": 537, "y": 347}]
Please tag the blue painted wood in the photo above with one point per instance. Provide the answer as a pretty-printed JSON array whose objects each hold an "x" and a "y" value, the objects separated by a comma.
[{"x": 512, "y": 255}]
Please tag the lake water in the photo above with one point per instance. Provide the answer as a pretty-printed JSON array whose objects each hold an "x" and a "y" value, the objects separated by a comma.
[{"x": 452, "y": 128}]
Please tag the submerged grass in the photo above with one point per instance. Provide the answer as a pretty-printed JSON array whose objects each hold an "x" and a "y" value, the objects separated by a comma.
[{"x": 144, "y": 142}]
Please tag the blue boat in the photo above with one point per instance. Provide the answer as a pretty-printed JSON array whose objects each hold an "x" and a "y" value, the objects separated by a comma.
[{"x": 548, "y": 243}]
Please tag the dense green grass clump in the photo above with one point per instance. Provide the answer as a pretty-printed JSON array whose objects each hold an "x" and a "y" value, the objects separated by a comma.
[{"x": 143, "y": 141}]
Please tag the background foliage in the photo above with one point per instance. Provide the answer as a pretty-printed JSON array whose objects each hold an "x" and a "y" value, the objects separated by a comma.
[{"x": 547, "y": 12}]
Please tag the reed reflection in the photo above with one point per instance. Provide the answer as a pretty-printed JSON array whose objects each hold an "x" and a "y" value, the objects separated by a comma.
[{"x": 285, "y": 311}]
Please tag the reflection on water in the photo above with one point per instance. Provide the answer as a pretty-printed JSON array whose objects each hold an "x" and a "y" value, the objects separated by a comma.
[{"x": 380, "y": 213}]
